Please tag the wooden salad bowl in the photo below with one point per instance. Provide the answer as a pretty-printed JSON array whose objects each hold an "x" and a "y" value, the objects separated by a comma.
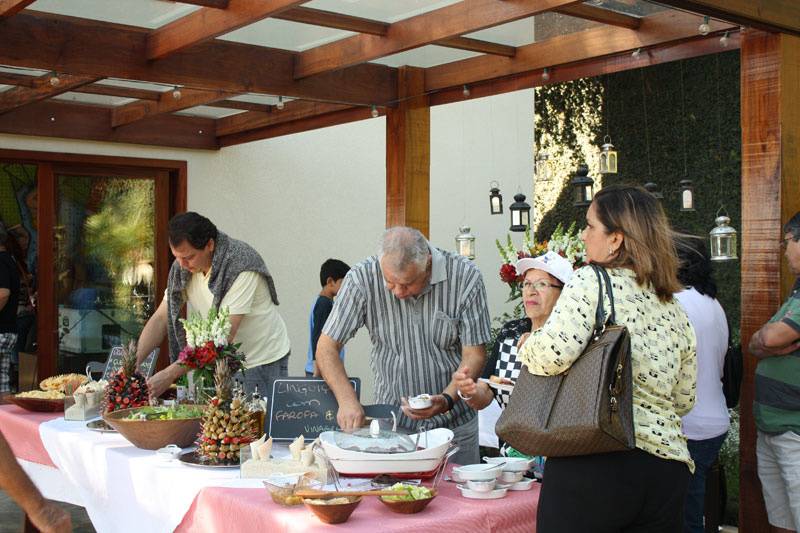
[{"x": 154, "y": 434}]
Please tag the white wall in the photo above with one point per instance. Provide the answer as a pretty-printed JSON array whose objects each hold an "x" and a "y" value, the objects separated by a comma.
[{"x": 303, "y": 198}]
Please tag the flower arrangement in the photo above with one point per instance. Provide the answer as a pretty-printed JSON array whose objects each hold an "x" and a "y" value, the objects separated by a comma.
[
  {"x": 566, "y": 243},
  {"x": 207, "y": 341}
]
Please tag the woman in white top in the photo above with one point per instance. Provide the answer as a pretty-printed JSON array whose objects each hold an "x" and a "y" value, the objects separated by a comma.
[{"x": 706, "y": 425}]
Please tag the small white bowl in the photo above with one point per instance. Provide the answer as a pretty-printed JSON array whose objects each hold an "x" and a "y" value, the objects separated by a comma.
[
  {"x": 169, "y": 452},
  {"x": 422, "y": 401},
  {"x": 511, "y": 477},
  {"x": 510, "y": 464},
  {"x": 479, "y": 472},
  {"x": 481, "y": 486}
]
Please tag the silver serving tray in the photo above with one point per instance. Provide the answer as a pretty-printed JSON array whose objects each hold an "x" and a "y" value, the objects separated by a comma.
[{"x": 100, "y": 426}]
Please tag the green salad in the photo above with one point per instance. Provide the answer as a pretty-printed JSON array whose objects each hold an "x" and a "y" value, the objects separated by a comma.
[
  {"x": 414, "y": 493},
  {"x": 166, "y": 413}
]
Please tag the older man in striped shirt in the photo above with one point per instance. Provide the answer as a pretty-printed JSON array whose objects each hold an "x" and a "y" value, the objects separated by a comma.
[{"x": 426, "y": 313}]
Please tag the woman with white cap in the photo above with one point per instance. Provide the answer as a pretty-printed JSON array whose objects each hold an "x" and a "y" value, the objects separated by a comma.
[{"x": 543, "y": 278}]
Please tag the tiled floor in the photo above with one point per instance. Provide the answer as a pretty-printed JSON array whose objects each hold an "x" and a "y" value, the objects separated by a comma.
[{"x": 11, "y": 517}]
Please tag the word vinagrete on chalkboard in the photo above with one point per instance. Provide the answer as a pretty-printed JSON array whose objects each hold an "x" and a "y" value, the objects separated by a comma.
[{"x": 303, "y": 406}]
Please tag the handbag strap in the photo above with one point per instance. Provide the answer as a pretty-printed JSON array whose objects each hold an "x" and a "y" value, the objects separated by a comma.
[{"x": 600, "y": 316}]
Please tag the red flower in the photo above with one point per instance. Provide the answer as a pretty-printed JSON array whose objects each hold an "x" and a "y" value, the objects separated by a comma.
[{"x": 508, "y": 273}]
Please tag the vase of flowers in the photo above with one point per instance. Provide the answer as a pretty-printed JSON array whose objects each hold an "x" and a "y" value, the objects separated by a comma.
[{"x": 207, "y": 342}]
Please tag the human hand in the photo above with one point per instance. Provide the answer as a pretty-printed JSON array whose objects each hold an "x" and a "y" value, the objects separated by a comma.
[
  {"x": 159, "y": 382},
  {"x": 438, "y": 406},
  {"x": 466, "y": 385},
  {"x": 350, "y": 415},
  {"x": 522, "y": 340},
  {"x": 50, "y": 518}
]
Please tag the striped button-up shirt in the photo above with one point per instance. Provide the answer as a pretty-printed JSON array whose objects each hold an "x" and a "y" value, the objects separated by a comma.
[{"x": 416, "y": 342}]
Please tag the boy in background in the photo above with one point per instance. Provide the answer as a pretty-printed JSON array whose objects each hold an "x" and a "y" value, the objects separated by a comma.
[{"x": 331, "y": 275}]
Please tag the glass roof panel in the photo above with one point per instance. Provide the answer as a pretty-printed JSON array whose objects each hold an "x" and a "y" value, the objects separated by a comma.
[
  {"x": 639, "y": 8},
  {"x": 256, "y": 98},
  {"x": 382, "y": 10},
  {"x": 426, "y": 56},
  {"x": 208, "y": 112},
  {"x": 517, "y": 33},
  {"x": 135, "y": 84},
  {"x": 97, "y": 99},
  {"x": 144, "y": 13},
  {"x": 284, "y": 34}
]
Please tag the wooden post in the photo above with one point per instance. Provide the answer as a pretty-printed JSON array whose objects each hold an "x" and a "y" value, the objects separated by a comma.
[
  {"x": 408, "y": 154},
  {"x": 770, "y": 82},
  {"x": 47, "y": 319}
]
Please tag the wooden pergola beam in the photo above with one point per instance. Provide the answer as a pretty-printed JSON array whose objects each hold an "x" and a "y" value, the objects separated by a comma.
[
  {"x": 477, "y": 45},
  {"x": 9, "y": 8},
  {"x": 295, "y": 110},
  {"x": 42, "y": 89},
  {"x": 329, "y": 19},
  {"x": 564, "y": 49},
  {"x": 604, "y": 16},
  {"x": 166, "y": 103},
  {"x": 207, "y": 23},
  {"x": 451, "y": 21},
  {"x": 52, "y": 118},
  {"x": 22, "y": 80},
  {"x": 768, "y": 15},
  {"x": 38, "y": 40}
]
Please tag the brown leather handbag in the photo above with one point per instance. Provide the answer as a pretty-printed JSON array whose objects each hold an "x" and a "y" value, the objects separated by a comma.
[{"x": 586, "y": 410}]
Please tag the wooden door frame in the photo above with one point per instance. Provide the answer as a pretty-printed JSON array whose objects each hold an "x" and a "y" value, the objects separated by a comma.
[{"x": 176, "y": 198}]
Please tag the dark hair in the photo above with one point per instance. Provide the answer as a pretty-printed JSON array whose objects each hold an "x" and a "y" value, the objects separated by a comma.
[
  {"x": 332, "y": 268},
  {"x": 647, "y": 247},
  {"x": 695, "y": 265},
  {"x": 193, "y": 228},
  {"x": 3, "y": 234},
  {"x": 793, "y": 227}
]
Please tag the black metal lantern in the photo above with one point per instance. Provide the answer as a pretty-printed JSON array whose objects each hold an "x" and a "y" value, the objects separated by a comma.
[
  {"x": 520, "y": 213},
  {"x": 582, "y": 184},
  {"x": 687, "y": 195},
  {"x": 652, "y": 188},
  {"x": 495, "y": 199}
]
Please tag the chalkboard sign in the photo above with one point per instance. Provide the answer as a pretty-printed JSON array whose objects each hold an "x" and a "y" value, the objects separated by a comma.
[
  {"x": 114, "y": 363},
  {"x": 303, "y": 406}
]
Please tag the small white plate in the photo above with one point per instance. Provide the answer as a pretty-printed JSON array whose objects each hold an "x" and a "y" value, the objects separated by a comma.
[
  {"x": 491, "y": 495},
  {"x": 478, "y": 471},
  {"x": 525, "y": 484},
  {"x": 510, "y": 464},
  {"x": 505, "y": 387}
]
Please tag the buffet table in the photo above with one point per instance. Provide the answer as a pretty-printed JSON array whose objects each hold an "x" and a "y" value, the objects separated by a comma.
[{"x": 124, "y": 488}]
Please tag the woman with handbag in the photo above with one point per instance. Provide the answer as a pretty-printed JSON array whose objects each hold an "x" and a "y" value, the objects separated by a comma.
[
  {"x": 543, "y": 278},
  {"x": 643, "y": 488}
]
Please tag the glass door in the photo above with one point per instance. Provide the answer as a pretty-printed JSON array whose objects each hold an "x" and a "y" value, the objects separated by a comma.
[{"x": 105, "y": 255}]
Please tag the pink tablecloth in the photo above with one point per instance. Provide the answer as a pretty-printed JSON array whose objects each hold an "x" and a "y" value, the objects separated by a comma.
[
  {"x": 21, "y": 430},
  {"x": 228, "y": 509}
]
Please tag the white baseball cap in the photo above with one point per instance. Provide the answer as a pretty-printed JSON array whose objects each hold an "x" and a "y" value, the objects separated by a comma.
[{"x": 550, "y": 262}]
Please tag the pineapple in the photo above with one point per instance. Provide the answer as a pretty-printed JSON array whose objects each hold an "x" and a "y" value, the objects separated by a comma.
[
  {"x": 127, "y": 387},
  {"x": 227, "y": 426}
]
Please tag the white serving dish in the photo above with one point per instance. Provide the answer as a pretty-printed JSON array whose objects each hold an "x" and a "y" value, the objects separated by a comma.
[
  {"x": 504, "y": 387},
  {"x": 510, "y": 464},
  {"x": 525, "y": 484},
  {"x": 435, "y": 444},
  {"x": 479, "y": 472},
  {"x": 481, "y": 486},
  {"x": 491, "y": 495},
  {"x": 511, "y": 477},
  {"x": 422, "y": 401}
]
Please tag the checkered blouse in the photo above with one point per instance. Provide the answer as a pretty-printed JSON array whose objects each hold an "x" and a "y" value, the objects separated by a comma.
[{"x": 503, "y": 360}]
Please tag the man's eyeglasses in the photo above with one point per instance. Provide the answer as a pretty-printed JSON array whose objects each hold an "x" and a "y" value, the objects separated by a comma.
[{"x": 538, "y": 286}]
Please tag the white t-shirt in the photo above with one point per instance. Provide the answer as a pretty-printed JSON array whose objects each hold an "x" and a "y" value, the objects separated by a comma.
[
  {"x": 709, "y": 416},
  {"x": 262, "y": 331}
]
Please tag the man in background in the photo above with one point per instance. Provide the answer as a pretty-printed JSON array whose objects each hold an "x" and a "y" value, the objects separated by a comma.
[{"x": 331, "y": 275}]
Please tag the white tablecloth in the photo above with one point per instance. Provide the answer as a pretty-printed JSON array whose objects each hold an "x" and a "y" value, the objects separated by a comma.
[{"x": 123, "y": 488}]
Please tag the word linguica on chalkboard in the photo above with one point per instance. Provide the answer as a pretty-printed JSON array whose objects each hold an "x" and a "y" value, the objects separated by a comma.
[{"x": 303, "y": 406}]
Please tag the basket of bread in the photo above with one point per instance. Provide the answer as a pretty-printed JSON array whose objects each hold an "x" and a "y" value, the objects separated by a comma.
[{"x": 53, "y": 391}]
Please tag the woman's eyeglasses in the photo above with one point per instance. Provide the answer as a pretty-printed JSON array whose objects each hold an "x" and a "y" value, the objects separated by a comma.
[{"x": 538, "y": 286}]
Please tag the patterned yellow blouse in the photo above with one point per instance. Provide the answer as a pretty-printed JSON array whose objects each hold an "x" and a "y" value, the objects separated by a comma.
[{"x": 662, "y": 353}]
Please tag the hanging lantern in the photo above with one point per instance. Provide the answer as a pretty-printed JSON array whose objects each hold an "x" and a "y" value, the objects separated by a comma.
[
  {"x": 652, "y": 188},
  {"x": 495, "y": 199},
  {"x": 687, "y": 195},
  {"x": 723, "y": 240},
  {"x": 582, "y": 184},
  {"x": 520, "y": 213},
  {"x": 465, "y": 243},
  {"x": 543, "y": 166},
  {"x": 608, "y": 157}
]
